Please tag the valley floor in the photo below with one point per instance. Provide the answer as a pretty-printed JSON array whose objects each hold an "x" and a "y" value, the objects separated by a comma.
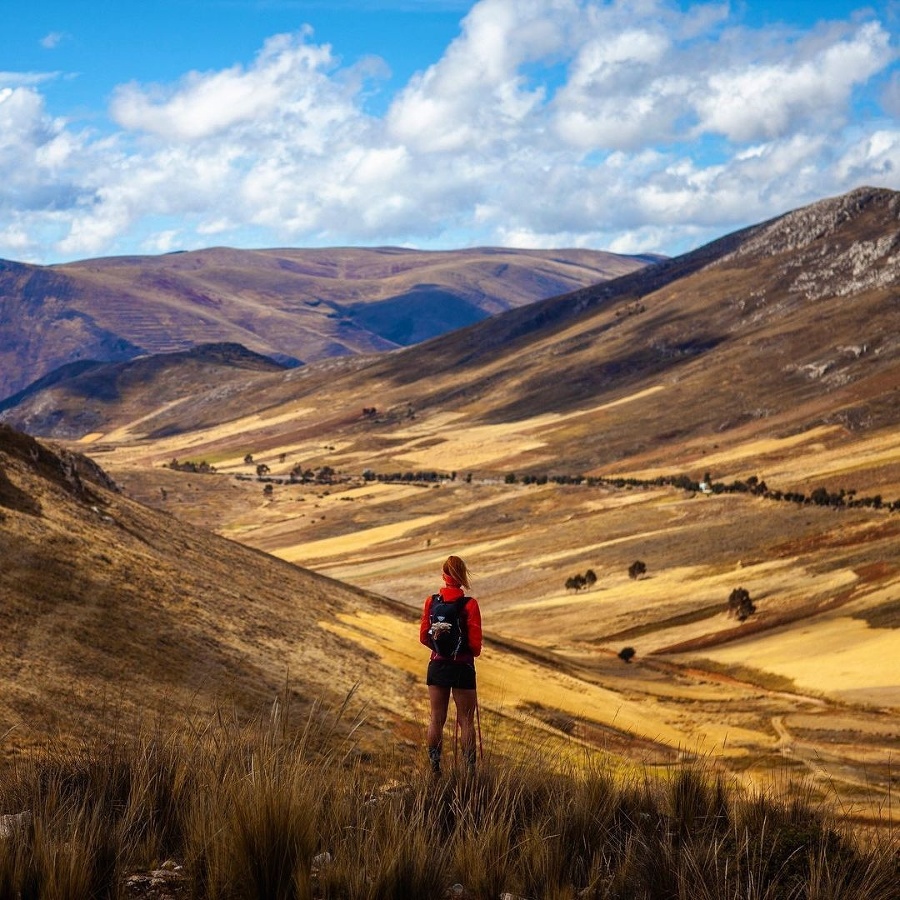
[{"x": 808, "y": 688}]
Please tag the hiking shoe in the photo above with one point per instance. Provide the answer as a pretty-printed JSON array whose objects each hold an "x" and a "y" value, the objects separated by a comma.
[{"x": 434, "y": 757}]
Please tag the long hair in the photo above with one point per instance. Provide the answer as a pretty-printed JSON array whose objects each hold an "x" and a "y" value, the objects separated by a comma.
[{"x": 456, "y": 569}]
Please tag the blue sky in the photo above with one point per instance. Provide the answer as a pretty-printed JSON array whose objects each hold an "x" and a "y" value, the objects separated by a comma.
[{"x": 634, "y": 126}]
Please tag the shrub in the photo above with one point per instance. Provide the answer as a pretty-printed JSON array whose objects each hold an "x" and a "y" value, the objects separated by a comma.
[
  {"x": 637, "y": 569},
  {"x": 577, "y": 582}
]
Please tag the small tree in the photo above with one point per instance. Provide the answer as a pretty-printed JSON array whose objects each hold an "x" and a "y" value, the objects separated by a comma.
[
  {"x": 262, "y": 469},
  {"x": 636, "y": 569},
  {"x": 590, "y": 578},
  {"x": 626, "y": 654},
  {"x": 248, "y": 459},
  {"x": 575, "y": 583},
  {"x": 740, "y": 606}
]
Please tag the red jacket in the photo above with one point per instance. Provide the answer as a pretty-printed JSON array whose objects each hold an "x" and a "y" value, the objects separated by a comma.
[{"x": 470, "y": 621}]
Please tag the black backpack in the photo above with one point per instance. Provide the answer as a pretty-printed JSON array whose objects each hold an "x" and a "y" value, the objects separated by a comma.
[{"x": 448, "y": 637}]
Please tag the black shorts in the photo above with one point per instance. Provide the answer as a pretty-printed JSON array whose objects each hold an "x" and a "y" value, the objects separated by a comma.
[{"x": 450, "y": 674}]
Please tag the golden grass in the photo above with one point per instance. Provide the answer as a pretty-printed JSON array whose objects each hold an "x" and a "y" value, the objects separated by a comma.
[
  {"x": 510, "y": 681},
  {"x": 283, "y": 809},
  {"x": 840, "y": 657}
]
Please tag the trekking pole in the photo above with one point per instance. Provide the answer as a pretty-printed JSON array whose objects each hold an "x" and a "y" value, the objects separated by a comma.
[{"x": 478, "y": 721}]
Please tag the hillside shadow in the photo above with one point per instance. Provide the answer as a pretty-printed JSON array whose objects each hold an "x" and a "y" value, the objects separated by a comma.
[
  {"x": 568, "y": 389},
  {"x": 427, "y": 311},
  {"x": 15, "y": 499}
]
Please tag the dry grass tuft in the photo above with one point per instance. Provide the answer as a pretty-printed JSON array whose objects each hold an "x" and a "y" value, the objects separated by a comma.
[{"x": 272, "y": 811}]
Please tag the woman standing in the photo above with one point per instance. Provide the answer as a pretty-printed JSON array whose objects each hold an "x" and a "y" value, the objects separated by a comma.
[{"x": 451, "y": 628}]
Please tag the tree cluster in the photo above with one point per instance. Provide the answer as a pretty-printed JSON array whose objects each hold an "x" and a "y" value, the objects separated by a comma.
[
  {"x": 322, "y": 475},
  {"x": 198, "y": 468},
  {"x": 578, "y": 582},
  {"x": 512, "y": 478},
  {"x": 821, "y": 496},
  {"x": 428, "y": 477}
]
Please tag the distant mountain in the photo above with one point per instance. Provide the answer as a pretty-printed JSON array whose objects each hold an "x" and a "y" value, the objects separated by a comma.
[
  {"x": 291, "y": 305},
  {"x": 87, "y": 396},
  {"x": 777, "y": 329}
]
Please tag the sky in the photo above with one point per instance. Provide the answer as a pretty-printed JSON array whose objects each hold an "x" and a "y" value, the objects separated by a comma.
[{"x": 635, "y": 126}]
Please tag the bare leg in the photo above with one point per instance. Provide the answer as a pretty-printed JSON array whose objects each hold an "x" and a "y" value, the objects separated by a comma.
[
  {"x": 465, "y": 701},
  {"x": 439, "y": 698}
]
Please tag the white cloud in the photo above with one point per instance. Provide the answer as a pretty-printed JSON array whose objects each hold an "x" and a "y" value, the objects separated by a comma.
[
  {"x": 875, "y": 157},
  {"x": 285, "y": 83},
  {"x": 25, "y": 79},
  {"x": 620, "y": 93},
  {"x": 52, "y": 40},
  {"x": 477, "y": 93},
  {"x": 550, "y": 122},
  {"x": 891, "y": 96},
  {"x": 37, "y": 153},
  {"x": 770, "y": 99}
]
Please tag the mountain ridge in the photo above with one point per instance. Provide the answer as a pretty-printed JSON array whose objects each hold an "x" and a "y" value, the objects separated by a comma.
[
  {"x": 293, "y": 305},
  {"x": 71, "y": 400},
  {"x": 751, "y": 339}
]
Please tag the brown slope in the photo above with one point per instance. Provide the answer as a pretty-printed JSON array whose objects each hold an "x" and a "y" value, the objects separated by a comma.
[
  {"x": 296, "y": 304},
  {"x": 777, "y": 329},
  {"x": 774, "y": 330},
  {"x": 111, "y": 611}
]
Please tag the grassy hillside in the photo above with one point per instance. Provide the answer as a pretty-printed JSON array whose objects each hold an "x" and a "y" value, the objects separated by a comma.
[
  {"x": 222, "y": 811},
  {"x": 114, "y": 613},
  {"x": 573, "y": 435}
]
